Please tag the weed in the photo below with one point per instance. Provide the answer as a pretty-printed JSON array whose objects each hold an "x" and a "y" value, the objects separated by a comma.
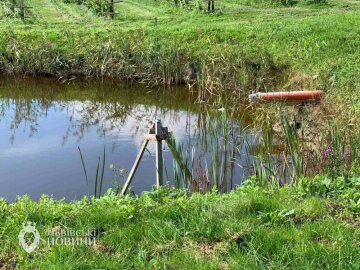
[{"x": 277, "y": 217}]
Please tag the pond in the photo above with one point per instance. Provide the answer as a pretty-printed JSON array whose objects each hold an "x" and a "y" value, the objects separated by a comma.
[{"x": 43, "y": 122}]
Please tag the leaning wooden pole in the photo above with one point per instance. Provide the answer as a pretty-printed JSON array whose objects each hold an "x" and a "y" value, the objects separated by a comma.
[
  {"x": 135, "y": 166},
  {"x": 157, "y": 133}
]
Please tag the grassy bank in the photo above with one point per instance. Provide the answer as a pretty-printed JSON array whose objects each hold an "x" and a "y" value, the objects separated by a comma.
[
  {"x": 244, "y": 46},
  {"x": 311, "y": 226}
]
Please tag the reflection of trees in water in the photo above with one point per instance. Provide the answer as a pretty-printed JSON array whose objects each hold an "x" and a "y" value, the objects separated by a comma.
[
  {"x": 109, "y": 104},
  {"x": 23, "y": 112},
  {"x": 106, "y": 117},
  {"x": 111, "y": 117}
]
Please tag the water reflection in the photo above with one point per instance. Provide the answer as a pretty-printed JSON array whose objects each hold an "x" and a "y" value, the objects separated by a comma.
[
  {"x": 104, "y": 105},
  {"x": 43, "y": 122}
]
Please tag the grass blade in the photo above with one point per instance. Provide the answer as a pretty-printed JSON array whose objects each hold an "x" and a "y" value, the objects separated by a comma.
[
  {"x": 97, "y": 177},
  {"x": 84, "y": 168},
  {"x": 102, "y": 173}
]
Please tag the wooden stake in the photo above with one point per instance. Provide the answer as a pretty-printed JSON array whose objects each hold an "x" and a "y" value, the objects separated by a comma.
[
  {"x": 111, "y": 9},
  {"x": 156, "y": 133},
  {"x": 22, "y": 10},
  {"x": 134, "y": 168},
  {"x": 159, "y": 156}
]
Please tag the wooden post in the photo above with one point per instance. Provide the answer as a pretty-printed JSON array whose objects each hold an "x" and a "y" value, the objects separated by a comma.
[
  {"x": 111, "y": 9},
  {"x": 157, "y": 133},
  {"x": 135, "y": 166},
  {"x": 211, "y": 5},
  {"x": 159, "y": 156},
  {"x": 22, "y": 10}
]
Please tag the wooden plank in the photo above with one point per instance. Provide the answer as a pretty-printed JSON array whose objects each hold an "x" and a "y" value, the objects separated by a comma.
[
  {"x": 154, "y": 137},
  {"x": 150, "y": 137}
]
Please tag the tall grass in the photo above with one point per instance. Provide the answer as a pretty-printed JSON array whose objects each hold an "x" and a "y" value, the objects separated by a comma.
[
  {"x": 151, "y": 57},
  {"x": 182, "y": 174},
  {"x": 207, "y": 161},
  {"x": 99, "y": 178},
  {"x": 209, "y": 51},
  {"x": 340, "y": 152},
  {"x": 279, "y": 150},
  {"x": 293, "y": 144}
]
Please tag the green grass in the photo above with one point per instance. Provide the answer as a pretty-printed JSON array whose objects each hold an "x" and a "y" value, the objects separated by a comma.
[
  {"x": 244, "y": 46},
  {"x": 240, "y": 47},
  {"x": 307, "y": 227}
]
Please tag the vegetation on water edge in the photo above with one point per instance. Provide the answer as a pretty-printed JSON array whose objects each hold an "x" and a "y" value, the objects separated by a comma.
[
  {"x": 239, "y": 48},
  {"x": 280, "y": 146},
  {"x": 313, "y": 225}
]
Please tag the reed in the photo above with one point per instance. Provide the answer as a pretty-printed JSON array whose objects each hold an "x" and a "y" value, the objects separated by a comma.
[
  {"x": 84, "y": 168},
  {"x": 182, "y": 174},
  {"x": 279, "y": 153},
  {"x": 263, "y": 164},
  {"x": 293, "y": 145},
  {"x": 98, "y": 183},
  {"x": 102, "y": 173},
  {"x": 208, "y": 160},
  {"x": 96, "y": 177}
]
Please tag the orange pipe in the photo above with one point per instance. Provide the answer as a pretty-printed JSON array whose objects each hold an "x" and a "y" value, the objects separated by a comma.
[{"x": 294, "y": 96}]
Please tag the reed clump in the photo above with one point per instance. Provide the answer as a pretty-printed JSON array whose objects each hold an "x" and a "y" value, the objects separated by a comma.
[
  {"x": 312, "y": 140},
  {"x": 281, "y": 146}
]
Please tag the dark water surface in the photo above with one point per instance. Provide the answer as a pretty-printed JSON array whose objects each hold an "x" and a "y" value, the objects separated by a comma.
[{"x": 43, "y": 122}]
